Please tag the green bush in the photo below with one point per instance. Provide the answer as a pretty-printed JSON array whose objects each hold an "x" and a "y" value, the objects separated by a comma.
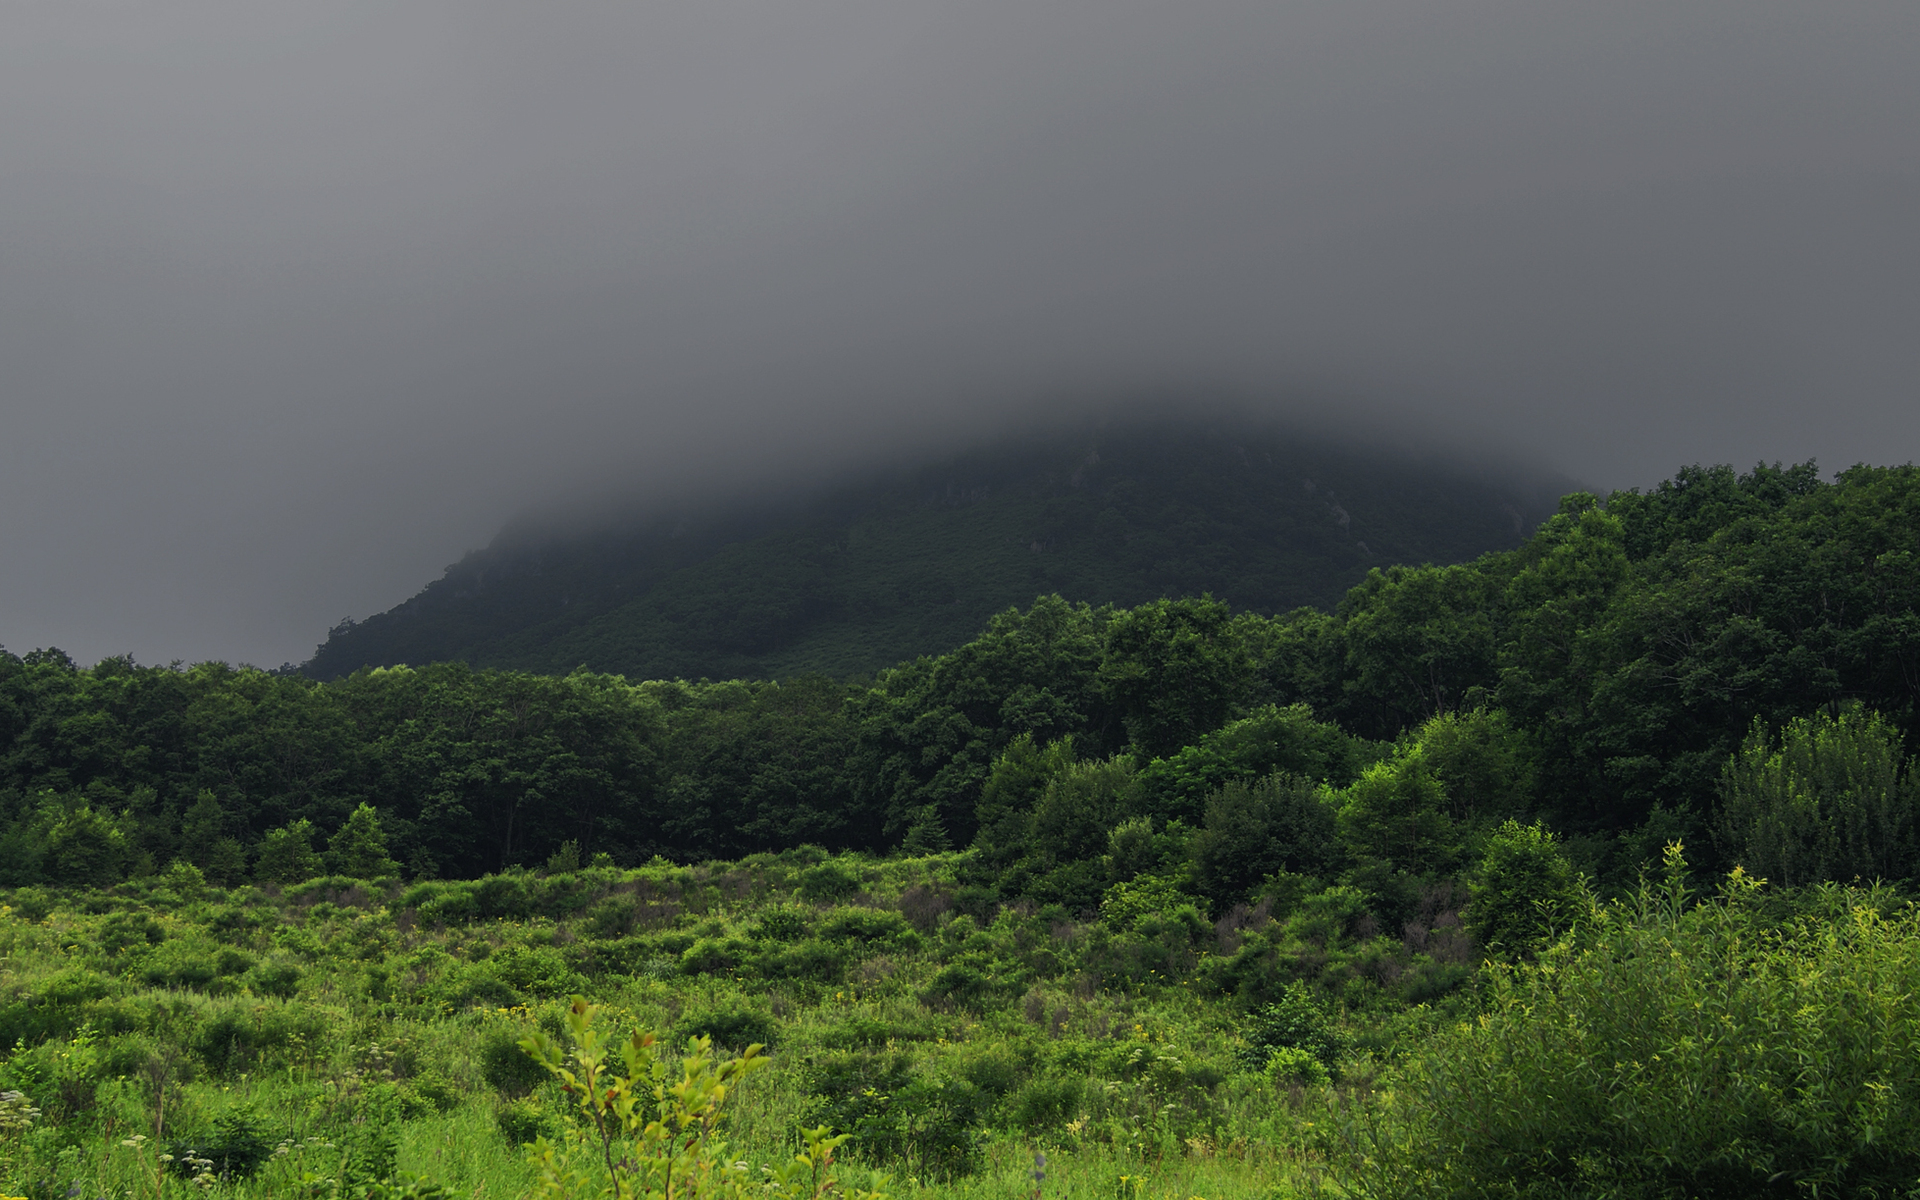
[
  {"x": 713, "y": 955},
  {"x": 732, "y": 1027},
  {"x": 1681, "y": 1050},
  {"x": 1832, "y": 800},
  {"x": 505, "y": 1066},
  {"x": 275, "y": 977},
  {"x": 1524, "y": 890},
  {"x": 426, "y": 1093},
  {"x": 1295, "y": 1022},
  {"x": 1046, "y": 1103},
  {"x": 237, "y": 1145},
  {"x": 536, "y": 971},
  {"x": 780, "y": 925},
  {"x": 523, "y": 1121},
  {"x": 821, "y": 962},
  {"x": 828, "y": 881},
  {"x": 899, "y": 1113},
  {"x": 870, "y": 927},
  {"x": 1289, "y": 1066},
  {"x": 240, "y": 1037}
]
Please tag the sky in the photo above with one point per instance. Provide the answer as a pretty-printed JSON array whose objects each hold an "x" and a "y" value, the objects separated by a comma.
[{"x": 300, "y": 302}]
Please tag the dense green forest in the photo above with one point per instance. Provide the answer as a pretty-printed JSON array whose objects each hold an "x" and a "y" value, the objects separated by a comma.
[
  {"x": 875, "y": 569},
  {"x": 1578, "y": 869}
]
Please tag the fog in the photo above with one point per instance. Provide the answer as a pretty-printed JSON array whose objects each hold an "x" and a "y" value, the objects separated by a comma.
[{"x": 300, "y": 302}]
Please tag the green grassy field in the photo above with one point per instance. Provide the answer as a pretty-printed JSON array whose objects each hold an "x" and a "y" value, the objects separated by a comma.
[
  {"x": 303, "y": 1028},
  {"x": 361, "y": 1040}
]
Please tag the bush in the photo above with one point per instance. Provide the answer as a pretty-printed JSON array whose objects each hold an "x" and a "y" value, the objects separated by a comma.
[
  {"x": 505, "y": 1066},
  {"x": 1297, "y": 1068},
  {"x": 239, "y": 1038},
  {"x": 871, "y": 928},
  {"x": 1046, "y": 1103},
  {"x": 1683, "y": 1050},
  {"x": 425, "y": 1094},
  {"x": 924, "y": 1123},
  {"x": 1296, "y": 1022},
  {"x": 1830, "y": 802},
  {"x": 1524, "y": 891},
  {"x": 275, "y": 978},
  {"x": 732, "y": 1027},
  {"x": 780, "y": 925},
  {"x": 828, "y": 881},
  {"x": 237, "y": 1145},
  {"x": 958, "y": 985},
  {"x": 536, "y": 971},
  {"x": 523, "y": 1121},
  {"x": 822, "y": 962}
]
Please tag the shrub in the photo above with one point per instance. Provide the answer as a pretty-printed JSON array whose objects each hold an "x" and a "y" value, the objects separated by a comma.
[
  {"x": 976, "y": 901},
  {"x": 474, "y": 985},
  {"x": 828, "y": 881},
  {"x": 1829, "y": 802},
  {"x": 278, "y": 978},
  {"x": 1125, "y": 903},
  {"x": 1295, "y": 1022},
  {"x": 524, "y": 1121},
  {"x": 822, "y": 962},
  {"x": 612, "y": 917},
  {"x": 505, "y": 1066},
  {"x": 236, "y": 1146},
  {"x": 536, "y": 971},
  {"x": 710, "y": 955},
  {"x": 239, "y": 1037},
  {"x": 1524, "y": 891},
  {"x": 182, "y": 963},
  {"x": 1682, "y": 1050},
  {"x": 923, "y": 1122},
  {"x": 780, "y": 925},
  {"x": 870, "y": 927},
  {"x": 426, "y": 1093},
  {"x": 732, "y": 1027},
  {"x": 1289, "y": 1066},
  {"x": 1046, "y": 1103}
]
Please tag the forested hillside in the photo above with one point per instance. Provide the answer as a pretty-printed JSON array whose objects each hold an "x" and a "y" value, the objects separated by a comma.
[
  {"x": 912, "y": 560},
  {"x": 1406, "y": 899},
  {"x": 1611, "y": 664}
]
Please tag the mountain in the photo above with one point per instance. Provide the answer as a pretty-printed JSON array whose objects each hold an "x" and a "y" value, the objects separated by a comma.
[{"x": 911, "y": 559}]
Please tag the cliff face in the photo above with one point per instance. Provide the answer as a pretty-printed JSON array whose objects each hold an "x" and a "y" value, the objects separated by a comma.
[{"x": 866, "y": 572}]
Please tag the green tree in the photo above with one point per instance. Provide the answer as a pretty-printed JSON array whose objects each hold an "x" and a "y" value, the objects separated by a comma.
[
  {"x": 359, "y": 848},
  {"x": 1013, "y": 789},
  {"x": 286, "y": 854},
  {"x": 1175, "y": 670},
  {"x": 1524, "y": 890},
  {"x": 1828, "y": 801},
  {"x": 84, "y": 848},
  {"x": 1281, "y": 823}
]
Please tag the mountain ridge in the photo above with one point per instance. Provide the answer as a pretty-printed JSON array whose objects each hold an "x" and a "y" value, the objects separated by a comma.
[{"x": 883, "y": 565}]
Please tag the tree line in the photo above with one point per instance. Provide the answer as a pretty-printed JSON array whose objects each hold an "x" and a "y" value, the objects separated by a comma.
[{"x": 1730, "y": 658}]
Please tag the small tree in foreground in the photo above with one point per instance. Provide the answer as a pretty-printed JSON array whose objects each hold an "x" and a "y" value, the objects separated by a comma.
[{"x": 644, "y": 1137}]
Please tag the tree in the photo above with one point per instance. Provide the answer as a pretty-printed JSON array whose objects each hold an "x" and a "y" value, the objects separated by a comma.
[
  {"x": 1829, "y": 801},
  {"x": 85, "y": 849},
  {"x": 1524, "y": 890},
  {"x": 1175, "y": 670},
  {"x": 1281, "y": 823},
  {"x": 359, "y": 848},
  {"x": 286, "y": 855}
]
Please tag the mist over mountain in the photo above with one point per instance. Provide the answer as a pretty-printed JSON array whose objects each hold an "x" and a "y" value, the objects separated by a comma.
[{"x": 911, "y": 557}]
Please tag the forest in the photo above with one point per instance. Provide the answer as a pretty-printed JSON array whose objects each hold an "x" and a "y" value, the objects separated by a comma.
[{"x": 1582, "y": 868}]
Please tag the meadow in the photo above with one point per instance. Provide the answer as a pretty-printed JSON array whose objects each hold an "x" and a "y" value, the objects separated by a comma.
[{"x": 362, "y": 1038}]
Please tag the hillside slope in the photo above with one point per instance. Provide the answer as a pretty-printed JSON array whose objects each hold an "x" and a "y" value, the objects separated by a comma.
[{"x": 913, "y": 560}]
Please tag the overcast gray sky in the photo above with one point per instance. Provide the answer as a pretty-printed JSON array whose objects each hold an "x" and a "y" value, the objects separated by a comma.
[{"x": 298, "y": 302}]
